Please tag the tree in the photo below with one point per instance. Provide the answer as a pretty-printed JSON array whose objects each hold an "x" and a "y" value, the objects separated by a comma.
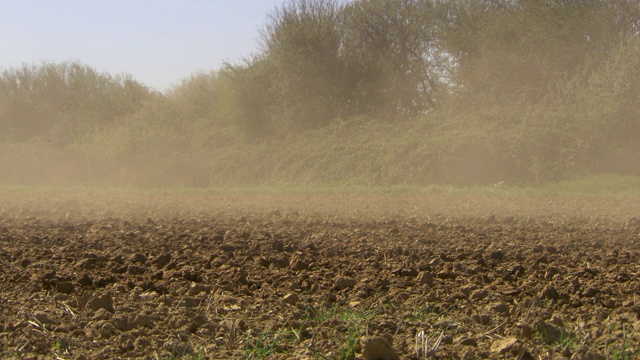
[
  {"x": 61, "y": 102},
  {"x": 325, "y": 59},
  {"x": 394, "y": 52},
  {"x": 251, "y": 84},
  {"x": 517, "y": 49},
  {"x": 301, "y": 50}
]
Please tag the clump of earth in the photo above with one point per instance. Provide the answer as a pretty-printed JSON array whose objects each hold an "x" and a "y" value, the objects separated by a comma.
[{"x": 316, "y": 276}]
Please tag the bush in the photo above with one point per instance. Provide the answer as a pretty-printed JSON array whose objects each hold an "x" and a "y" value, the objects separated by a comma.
[
  {"x": 60, "y": 103},
  {"x": 366, "y": 92}
]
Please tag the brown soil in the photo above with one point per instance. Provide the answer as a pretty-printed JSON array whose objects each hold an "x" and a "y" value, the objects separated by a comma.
[{"x": 318, "y": 276}]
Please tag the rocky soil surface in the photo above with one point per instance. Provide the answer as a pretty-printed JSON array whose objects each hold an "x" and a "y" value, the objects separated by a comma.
[{"x": 210, "y": 276}]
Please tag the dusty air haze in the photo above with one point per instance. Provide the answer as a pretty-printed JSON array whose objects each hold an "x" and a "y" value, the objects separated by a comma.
[{"x": 320, "y": 179}]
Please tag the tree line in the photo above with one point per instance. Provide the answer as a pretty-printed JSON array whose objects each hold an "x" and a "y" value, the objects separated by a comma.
[{"x": 546, "y": 88}]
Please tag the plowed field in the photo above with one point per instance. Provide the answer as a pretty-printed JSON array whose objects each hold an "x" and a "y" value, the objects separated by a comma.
[{"x": 112, "y": 275}]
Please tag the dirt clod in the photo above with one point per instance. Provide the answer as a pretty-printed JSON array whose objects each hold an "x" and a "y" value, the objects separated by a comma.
[
  {"x": 424, "y": 278},
  {"x": 45, "y": 318},
  {"x": 479, "y": 294},
  {"x": 510, "y": 345},
  {"x": 377, "y": 348},
  {"x": 179, "y": 276},
  {"x": 345, "y": 282},
  {"x": 291, "y": 299},
  {"x": 591, "y": 292},
  {"x": 104, "y": 301},
  {"x": 549, "y": 292},
  {"x": 501, "y": 308}
]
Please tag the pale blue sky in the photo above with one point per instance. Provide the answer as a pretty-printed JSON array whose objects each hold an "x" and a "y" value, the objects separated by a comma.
[{"x": 158, "y": 42}]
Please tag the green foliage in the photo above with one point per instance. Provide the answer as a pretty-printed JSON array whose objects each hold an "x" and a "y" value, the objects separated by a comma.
[
  {"x": 361, "y": 92},
  {"x": 393, "y": 54},
  {"x": 347, "y": 326},
  {"x": 542, "y": 72},
  {"x": 301, "y": 45},
  {"x": 250, "y": 87},
  {"x": 622, "y": 348},
  {"x": 263, "y": 345},
  {"x": 516, "y": 50},
  {"x": 196, "y": 115},
  {"x": 322, "y": 60},
  {"x": 60, "y": 103}
]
